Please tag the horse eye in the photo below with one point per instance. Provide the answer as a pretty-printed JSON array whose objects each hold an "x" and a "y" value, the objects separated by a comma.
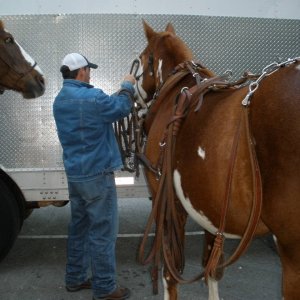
[{"x": 9, "y": 40}]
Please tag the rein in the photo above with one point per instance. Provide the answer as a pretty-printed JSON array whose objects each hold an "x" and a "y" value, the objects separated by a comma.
[
  {"x": 133, "y": 70},
  {"x": 128, "y": 133},
  {"x": 165, "y": 205},
  {"x": 214, "y": 262}
]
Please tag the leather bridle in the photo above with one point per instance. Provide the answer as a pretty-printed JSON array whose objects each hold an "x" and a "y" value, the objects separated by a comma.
[
  {"x": 134, "y": 69},
  {"x": 20, "y": 75}
]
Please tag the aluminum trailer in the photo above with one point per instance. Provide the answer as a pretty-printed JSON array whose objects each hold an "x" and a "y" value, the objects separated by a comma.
[{"x": 223, "y": 34}]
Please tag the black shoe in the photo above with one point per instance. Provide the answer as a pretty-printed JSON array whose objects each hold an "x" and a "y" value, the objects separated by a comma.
[
  {"x": 118, "y": 294},
  {"x": 74, "y": 288}
]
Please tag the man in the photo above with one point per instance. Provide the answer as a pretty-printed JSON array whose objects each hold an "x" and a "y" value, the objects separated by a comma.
[{"x": 84, "y": 117}]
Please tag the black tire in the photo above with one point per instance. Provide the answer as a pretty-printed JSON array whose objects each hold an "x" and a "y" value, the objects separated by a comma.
[{"x": 10, "y": 219}]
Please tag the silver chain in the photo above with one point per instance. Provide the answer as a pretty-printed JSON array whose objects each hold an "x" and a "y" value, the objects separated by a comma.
[{"x": 268, "y": 70}]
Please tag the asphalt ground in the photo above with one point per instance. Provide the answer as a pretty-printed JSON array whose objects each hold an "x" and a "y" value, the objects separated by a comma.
[{"x": 34, "y": 268}]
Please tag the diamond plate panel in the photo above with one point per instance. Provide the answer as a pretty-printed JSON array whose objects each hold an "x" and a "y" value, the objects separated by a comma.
[{"x": 27, "y": 130}]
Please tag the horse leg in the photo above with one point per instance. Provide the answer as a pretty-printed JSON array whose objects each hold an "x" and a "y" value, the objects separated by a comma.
[
  {"x": 170, "y": 286},
  {"x": 213, "y": 291},
  {"x": 169, "y": 282},
  {"x": 290, "y": 260}
]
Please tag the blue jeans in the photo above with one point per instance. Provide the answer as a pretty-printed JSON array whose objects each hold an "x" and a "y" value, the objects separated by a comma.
[{"x": 92, "y": 233}]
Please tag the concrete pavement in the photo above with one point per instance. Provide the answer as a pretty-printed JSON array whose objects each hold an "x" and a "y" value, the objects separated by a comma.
[{"x": 34, "y": 269}]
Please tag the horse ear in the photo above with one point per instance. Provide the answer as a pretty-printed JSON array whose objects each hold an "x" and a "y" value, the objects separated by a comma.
[
  {"x": 1, "y": 25},
  {"x": 149, "y": 32},
  {"x": 170, "y": 28}
]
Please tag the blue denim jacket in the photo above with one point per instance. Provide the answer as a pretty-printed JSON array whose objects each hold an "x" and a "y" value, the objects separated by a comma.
[{"x": 84, "y": 117}]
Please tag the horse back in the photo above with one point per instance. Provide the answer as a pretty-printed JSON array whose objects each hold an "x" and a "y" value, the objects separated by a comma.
[{"x": 275, "y": 121}]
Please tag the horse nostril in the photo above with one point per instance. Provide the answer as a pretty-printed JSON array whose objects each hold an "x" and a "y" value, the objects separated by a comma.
[{"x": 41, "y": 80}]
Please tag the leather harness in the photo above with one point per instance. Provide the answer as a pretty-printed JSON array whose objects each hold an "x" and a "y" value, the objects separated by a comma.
[{"x": 165, "y": 212}]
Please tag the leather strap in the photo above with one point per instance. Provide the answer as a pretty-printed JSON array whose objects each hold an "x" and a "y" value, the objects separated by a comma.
[
  {"x": 213, "y": 265},
  {"x": 257, "y": 195},
  {"x": 165, "y": 212}
]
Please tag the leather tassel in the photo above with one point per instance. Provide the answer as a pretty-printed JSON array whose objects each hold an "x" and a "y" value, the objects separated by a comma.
[{"x": 214, "y": 258}]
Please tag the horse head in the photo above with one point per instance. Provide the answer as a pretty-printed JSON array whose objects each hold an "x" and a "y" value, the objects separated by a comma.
[
  {"x": 158, "y": 60},
  {"x": 162, "y": 63},
  {"x": 18, "y": 71}
]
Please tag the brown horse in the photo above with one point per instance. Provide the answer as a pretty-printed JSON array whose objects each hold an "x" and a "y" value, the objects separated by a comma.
[
  {"x": 235, "y": 169},
  {"x": 18, "y": 71}
]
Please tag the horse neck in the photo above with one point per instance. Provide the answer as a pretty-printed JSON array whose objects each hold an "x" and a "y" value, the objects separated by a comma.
[
  {"x": 177, "y": 76},
  {"x": 167, "y": 94}
]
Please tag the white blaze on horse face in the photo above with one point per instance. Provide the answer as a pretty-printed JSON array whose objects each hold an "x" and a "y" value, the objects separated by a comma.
[
  {"x": 29, "y": 59},
  {"x": 140, "y": 92},
  {"x": 198, "y": 216},
  {"x": 159, "y": 71},
  {"x": 201, "y": 153}
]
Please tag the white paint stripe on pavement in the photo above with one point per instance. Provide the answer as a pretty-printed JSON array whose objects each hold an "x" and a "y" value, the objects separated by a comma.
[{"x": 121, "y": 235}]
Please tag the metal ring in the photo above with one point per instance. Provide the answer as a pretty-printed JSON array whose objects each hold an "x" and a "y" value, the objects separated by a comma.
[{"x": 184, "y": 89}]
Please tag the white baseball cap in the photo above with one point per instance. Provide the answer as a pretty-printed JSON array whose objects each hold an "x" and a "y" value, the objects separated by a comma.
[{"x": 76, "y": 61}]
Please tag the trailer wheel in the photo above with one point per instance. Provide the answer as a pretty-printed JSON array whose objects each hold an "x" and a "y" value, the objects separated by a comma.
[{"x": 10, "y": 219}]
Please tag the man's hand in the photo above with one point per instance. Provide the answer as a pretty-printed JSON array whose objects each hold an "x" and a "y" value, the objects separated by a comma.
[{"x": 130, "y": 78}]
